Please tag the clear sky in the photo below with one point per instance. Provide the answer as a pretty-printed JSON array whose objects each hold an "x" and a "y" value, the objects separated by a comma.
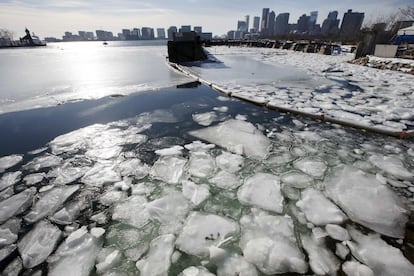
[{"x": 53, "y": 17}]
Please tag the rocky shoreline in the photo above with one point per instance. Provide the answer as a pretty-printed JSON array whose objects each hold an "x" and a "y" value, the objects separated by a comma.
[{"x": 394, "y": 64}]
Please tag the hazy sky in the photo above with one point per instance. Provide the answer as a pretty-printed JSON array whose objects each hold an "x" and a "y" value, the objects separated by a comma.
[{"x": 52, "y": 17}]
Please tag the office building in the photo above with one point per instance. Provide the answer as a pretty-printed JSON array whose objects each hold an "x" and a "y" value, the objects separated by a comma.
[
  {"x": 271, "y": 23},
  {"x": 198, "y": 29},
  {"x": 171, "y": 30},
  {"x": 330, "y": 25},
  {"x": 351, "y": 24},
  {"x": 256, "y": 24},
  {"x": 303, "y": 24},
  {"x": 247, "y": 20},
  {"x": 147, "y": 33},
  {"x": 241, "y": 26},
  {"x": 104, "y": 35},
  {"x": 265, "y": 16},
  {"x": 160, "y": 33},
  {"x": 282, "y": 24},
  {"x": 185, "y": 28}
]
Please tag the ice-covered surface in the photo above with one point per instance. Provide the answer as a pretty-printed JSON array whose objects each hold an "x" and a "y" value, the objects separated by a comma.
[{"x": 9, "y": 161}]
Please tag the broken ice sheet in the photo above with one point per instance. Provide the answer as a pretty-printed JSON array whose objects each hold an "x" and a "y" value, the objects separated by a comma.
[
  {"x": 392, "y": 166},
  {"x": 132, "y": 211},
  {"x": 229, "y": 162},
  {"x": 34, "y": 178},
  {"x": 195, "y": 193},
  {"x": 45, "y": 161},
  {"x": 236, "y": 136},
  {"x": 226, "y": 180},
  {"x": 205, "y": 119},
  {"x": 262, "y": 190},
  {"x": 9, "y": 161},
  {"x": 366, "y": 201},
  {"x": 9, "y": 179},
  {"x": 201, "y": 164},
  {"x": 39, "y": 243},
  {"x": 16, "y": 204},
  {"x": 311, "y": 166},
  {"x": 168, "y": 168}
]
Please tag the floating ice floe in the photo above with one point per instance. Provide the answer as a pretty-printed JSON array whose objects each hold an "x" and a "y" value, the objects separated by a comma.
[
  {"x": 39, "y": 243},
  {"x": 67, "y": 174},
  {"x": 69, "y": 213},
  {"x": 269, "y": 243},
  {"x": 174, "y": 150},
  {"x": 196, "y": 271},
  {"x": 132, "y": 211},
  {"x": 198, "y": 146},
  {"x": 34, "y": 178},
  {"x": 50, "y": 202},
  {"x": 195, "y": 193},
  {"x": 16, "y": 204},
  {"x": 379, "y": 256},
  {"x": 337, "y": 232},
  {"x": 133, "y": 167},
  {"x": 46, "y": 161},
  {"x": 392, "y": 166},
  {"x": 205, "y": 119},
  {"x": 9, "y": 231},
  {"x": 342, "y": 250},
  {"x": 236, "y": 136},
  {"x": 158, "y": 260},
  {"x": 6, "y": 251},
  {"x": 297, "y": 180},
  {"x": 14, "y": 268},
  {"x": 236, "y": 265},
  {"x": 100, "y": 174},
  {"x": 229, "y": 162},
  {"x": 9, "y": 179},
  {"x": 367, "y": 201},
  {"x": 262, "y": 190},
  {"x": 76, "y": 255},
  {"x": 353, "y": 268},
  {"x": 168, "y": 169},
  {"x": 204, "y": 230},
  {"x": 201, "y": 164},
  {"x": 312, "y": 167},
  {"x": 318, "y": 209},
  {"x": 107, "y": 262},
  {"x": 9, "y": 161},
  {"x": 226, "y": 180}
]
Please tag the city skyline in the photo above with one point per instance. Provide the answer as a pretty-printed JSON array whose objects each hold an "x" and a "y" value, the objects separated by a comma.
[{"x": 217, "y": 17}]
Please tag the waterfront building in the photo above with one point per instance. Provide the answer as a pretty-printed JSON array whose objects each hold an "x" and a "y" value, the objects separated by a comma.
[
  {"x": 256, "y": 24},
  {"x": 241, "y": 26},
  {"x": 351, "y": 24},
  {"x": 171, "y": 30},
  {"x": 282, "y": 24},
  {"x": 135, "y": 34},
  {"x": 247, "y": 20},
  {"x": 265, "y": 16},
  {"x": 160, "y": 33},
  {"x": 271, "y": 23},
  {"x": 185, "y": 28},
  {"x": 147, "y": 33},
  {"x": 198, "y": 30},
  {"x": 206, "y": 36},
  {"x": 330, "y": 25},
  {"x": 231, "y": 34},
  {"x": 303, "y": 24},
  {"x": 104, "y": 35},
  {"x": 126, "y": 34}
]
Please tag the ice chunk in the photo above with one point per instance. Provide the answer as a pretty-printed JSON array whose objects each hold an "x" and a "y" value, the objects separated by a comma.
[
  {"x": 341, "y": 251},
  {"x": 14, "y": 268},
  {"x": 158, "y": 260},
  {"x": 6, "y": 193},
  {"x": 9, "y": 161},
  {"x": 101, "y": 174},
  {"x": 201, "y": 164},
  {"x": 321, "y": 259},
  {"x": 174, "y": 150},
  {"x": 69, "y": 213},
  {"x": 297, "y": 180},
  {"x": 318, "y": 209},
  {"x": 311, "y": 166},
  {"x": 262, "y": 190},
  {"x": 168, "y": 168},
  {"x": 110, "y": 261},
  {"x": 391, "y": 165},
  {"x": 6, "y": 251},
  {"x": 46, "y": 161},
  {"x": 195, "y": 193},
  {"x": 382, "y": 258},
  {"x": 34, "y": 178},
  {"x": 269, "y": 242},
  {"x": 9, "y": 231},
  {"x": 37, "y": 245},
  {"x": 16, "y": 204},
  {"x": 67, "y": 174},
  {"x": 76, "y": 255},
  {"x": 205, "y": 119},
  {"x": 337, "y": 232},
  {"x": 367, "y": 201},
  {"x": 203, "y": 230},
  {"x": 9, "y": 179},
  {"x": 229, "y": 162},
  {"x": 196, "y": 271},
  {"x": 50, "y": 202},
  {"x": 133, "y": 167},
  {"x": 236, "y": 265},
  {"x": 353, "y": 268},
  {"x": 112, "y": 196},
  {"x": 236, "y": 136},
  {"x": 222, "y": 109},
  {"x": 199, "y": 146},
  {"x": 132, "y": 211},
  {"x": 226, "y": 180}
]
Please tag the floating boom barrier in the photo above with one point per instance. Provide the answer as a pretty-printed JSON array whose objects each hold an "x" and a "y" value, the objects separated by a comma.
[{"x": 321, "y": 117}]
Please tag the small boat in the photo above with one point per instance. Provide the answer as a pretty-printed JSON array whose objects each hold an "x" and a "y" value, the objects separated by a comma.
[{"x": 105, "y": 43}]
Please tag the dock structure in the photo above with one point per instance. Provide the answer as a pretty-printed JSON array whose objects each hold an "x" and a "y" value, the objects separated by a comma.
[{"x": 185, "y": 47}]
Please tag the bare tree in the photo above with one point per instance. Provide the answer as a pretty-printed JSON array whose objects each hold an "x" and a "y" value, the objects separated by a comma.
[{"x": 408, "y": 12}]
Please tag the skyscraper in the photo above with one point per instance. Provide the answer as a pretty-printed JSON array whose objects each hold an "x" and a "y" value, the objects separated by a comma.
[
  {"x": 147, "y": 33},
  {"x": 256, "y": 24},
  {"x": 171, "y": 30},
  {"x": 241, "y": 26},
  {"x": 303, "y": 23},
  {"x": 247, "y": 20},
  {"x": 282, "y": 24},
  {"x": 271, "y": 23},
  {"x": 160, "y": 33},
  {"x": 330, "y": 25},
  {"x": 265, "y": 16},
  {"x": 351, "y": 24}
]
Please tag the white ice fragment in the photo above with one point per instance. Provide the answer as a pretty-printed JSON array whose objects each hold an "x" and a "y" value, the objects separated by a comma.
[
  {"x": 6, "y": 251},
  {"x": 100, "y": 218},
  {"x": 229, "y": 162},
  {"x": 341, "y": 251},
  {"x": 76, "y": 255},
  {"x": 133, "y": 167},
  {"x": 201, "y": 164},
  {"x": 203, "y": 230},
  {"x": 226, "y": 180},
  {"x": 318, "y": 209},
  {"x": 367, "y": 201},
  {"x": 222, "y": 109},
  {"x": 7, "y": 237},
  {"x": 34, "y": 178},
  {"x": 199, "y": 146},
  {"x": 236, "y": 265},
  {"x": 132, "y": 211},
  {"x": 100, "y": 174},
  {"x": 352, "y": 268},
  {"x": 46, "y": 161},
  {"x": 9, "y": 179},
  {"x": 237, "y": 136},
  {"x": 205, "y": 119},
  {"x": 112, "y": 196},
  {"x": 174, "y": 150},
  {"x": 262, "y": 190},
  {"x": 269, "y": 243},
  {"x": 37, "y": 245},
  {"x": 16, "y": 204},
  {"x": 321, "y": 259},
  {"x": 14, "y": 268},
  {"x": 110, "y": 261},
  {"x": 67, "y": 174},
  {"x": 168, "y": 168},
  {"x": 196, "y": 271},
  {"x": 69, "y": 213},
  {"x": 337, "y": 232},
  {"x": 50, "y": 202},
  {"x": 297, "y": 180},
  {"x": 195, "y": 193},
  {"x": 170, "y": 209},
  {"x": 9, "y": 161},
  {"x": 158, "y": 260},
  {"x": 97, "y": 232},
  {"x": 6, "y": 193},
  {"x": 392, "y": 166},
  {"x": 311, "y": 166}
]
